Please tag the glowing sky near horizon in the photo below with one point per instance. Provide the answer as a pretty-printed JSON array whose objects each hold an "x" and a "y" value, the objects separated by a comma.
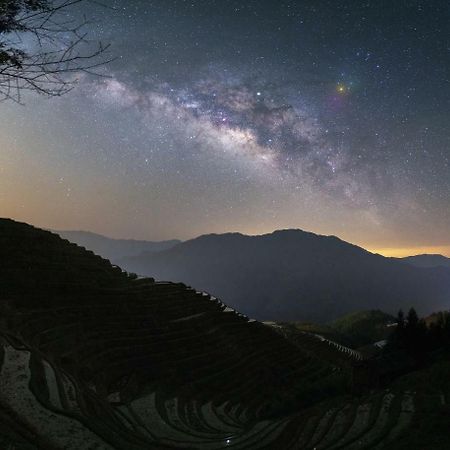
[{"x": 248, "y": 116}]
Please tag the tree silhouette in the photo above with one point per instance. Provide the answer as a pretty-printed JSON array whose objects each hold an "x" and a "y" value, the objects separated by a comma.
[
  {"x": 412, "y": 319},
  {"x": 400, "y": 320},
  {"x": 42, "y": 49},
  {"x": 417, "y": 339},
  {"x": 397, "y": 338}
]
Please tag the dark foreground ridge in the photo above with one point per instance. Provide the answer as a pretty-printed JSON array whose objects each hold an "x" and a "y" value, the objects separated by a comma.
[{"x": 92, "y": 358}]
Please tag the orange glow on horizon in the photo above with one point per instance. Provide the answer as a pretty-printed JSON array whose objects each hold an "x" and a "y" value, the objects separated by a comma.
[{"x": 400, "y": 252}]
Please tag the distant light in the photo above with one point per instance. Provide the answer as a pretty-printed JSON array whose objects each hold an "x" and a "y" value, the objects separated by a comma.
[
  {"x": 341, "y": 88},
  {"x": 228, "y": 441},
  {"x": 258, "y": 94}
]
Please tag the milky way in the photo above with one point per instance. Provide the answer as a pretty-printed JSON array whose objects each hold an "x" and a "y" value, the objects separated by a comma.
[
  {"x": 246, "y": 116},
  {"x": 251, "y": 124}
]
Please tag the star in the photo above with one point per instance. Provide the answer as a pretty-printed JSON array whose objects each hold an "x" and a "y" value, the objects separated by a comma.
[{"x": 342, "y": 88}]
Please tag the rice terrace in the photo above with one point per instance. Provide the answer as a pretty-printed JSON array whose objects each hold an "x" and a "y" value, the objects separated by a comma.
[{"x": 224, "y": 224}]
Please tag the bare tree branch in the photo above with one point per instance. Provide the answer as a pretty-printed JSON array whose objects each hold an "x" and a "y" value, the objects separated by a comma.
[{"x": 43, "y": 49}]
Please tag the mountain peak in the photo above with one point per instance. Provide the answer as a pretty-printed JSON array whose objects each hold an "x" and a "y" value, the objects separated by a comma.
[{"x": 296, "y": 275}]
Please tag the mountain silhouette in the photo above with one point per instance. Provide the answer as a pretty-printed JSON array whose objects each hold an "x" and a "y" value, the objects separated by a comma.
[
  {"x": 296, "y": 275},
  {"x": 427, "y": 260},
  {"x": 114, "y": 249}
]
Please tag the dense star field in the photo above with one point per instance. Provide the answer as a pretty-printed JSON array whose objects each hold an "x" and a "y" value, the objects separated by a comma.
[{"x": 246, "y": 116}]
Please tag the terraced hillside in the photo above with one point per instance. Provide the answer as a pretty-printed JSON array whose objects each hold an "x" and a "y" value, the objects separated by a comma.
[{"x": 94, "y": 359}]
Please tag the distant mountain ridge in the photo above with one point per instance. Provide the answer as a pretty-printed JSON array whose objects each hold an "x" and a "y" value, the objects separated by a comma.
[
  {"x": 114, "y": 249},
  {"x": 296, "y": 275},
  {"x": 427, "y": 260}
]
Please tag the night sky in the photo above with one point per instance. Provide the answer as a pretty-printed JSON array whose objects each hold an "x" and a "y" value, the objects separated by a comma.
[{"x": 250, "y": 116}]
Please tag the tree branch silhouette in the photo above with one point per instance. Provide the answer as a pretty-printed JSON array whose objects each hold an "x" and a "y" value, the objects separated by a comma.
[{"x": 43, "y": 49}]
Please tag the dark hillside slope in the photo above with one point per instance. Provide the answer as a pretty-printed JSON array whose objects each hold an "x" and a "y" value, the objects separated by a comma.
[
  {"x": 91, "y": 358},
  {"x": 295, "y": 275}
]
